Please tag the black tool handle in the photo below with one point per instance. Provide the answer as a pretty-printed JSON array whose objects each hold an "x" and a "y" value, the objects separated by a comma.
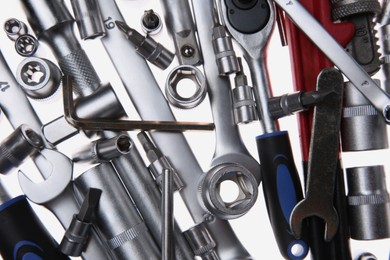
[
  {"x": 22, "y": 235},
  {"x": 282, "y": 190}
]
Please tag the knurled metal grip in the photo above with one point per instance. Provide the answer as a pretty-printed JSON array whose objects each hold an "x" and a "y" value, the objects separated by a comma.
[
  {"x": 78, "y": 66},
  {"x": 345, "y": 8}
]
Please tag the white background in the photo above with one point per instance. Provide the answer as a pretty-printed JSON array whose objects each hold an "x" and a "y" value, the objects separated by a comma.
[{"x": 253, "y": 229}]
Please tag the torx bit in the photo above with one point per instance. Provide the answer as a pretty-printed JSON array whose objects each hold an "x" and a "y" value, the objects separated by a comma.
[
  {"x": 148, "y": 48},
  {"x": 290, "y": 103}
]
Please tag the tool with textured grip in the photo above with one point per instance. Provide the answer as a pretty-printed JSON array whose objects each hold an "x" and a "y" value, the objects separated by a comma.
[
  {"x": 22, "y": 234},
  {"x": 53, "y": 24}
]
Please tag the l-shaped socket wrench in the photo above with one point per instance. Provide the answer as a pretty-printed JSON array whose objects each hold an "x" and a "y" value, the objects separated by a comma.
[{"x": 139, "y": 84}]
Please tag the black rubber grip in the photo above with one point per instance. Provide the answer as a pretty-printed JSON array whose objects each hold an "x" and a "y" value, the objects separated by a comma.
[
  {"x": 282, "y": 190},
  {"x": 78, "y": 66},
  {"x": 22, "y": 235}
]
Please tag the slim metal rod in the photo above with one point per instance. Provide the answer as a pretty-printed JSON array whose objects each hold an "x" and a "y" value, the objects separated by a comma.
[{"x": 167, "y": 214}]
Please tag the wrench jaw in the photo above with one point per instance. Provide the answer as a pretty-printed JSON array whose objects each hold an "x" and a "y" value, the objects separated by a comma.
[
  {"x": 60, "y": 170},
  {"x": 307, "y": 208}
]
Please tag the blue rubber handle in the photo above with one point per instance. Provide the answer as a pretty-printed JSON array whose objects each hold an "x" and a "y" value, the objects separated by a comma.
[{"x": 282, "y": 190}]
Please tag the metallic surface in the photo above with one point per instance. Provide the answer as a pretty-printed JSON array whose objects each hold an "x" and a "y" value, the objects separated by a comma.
[
  {"x": 202, "y": 242},
  {"x": 158, "y": 162},
  {"x": 88, "y": 18},
  {"x": 180, "y": 25},
  {"x": 168, "y": 221},
  {"x": 76, "y": 235},
  {"x": 14, "y": 28},
  {"x": 368, "y": 203},
  {"x": 58, "y": 130},
  {"x": 323, "y": 158},
  {"x": 229, "y": 147},
  {"x": 362, "y": 127},
  {"x": 22, "y": 143},
  {"x": 39, "y": 78},
  {"x": 151, "y": 22},
  {"x": 56, "y": 194},
  {"x": 253, "y": 46},
  {"x": 384, "y": 31},
  {"x": 147, "y": 47},
  {"x": 210, "y": 191},
  {"x": 366, "y": 256},
  {"x": 53, "y": 24},
  {"x": 243, "y": 103},
  {"x": 224, "y": 53},
  {"x": 104, "y": 150},
  {"x": 117, "y": 219},
  {"x": 172, "y": 86},
  {"x": 350, "y": 68},
  {"x": 121, "y": 125},
  {"x": 140, "y": 84},
  {"x": 147, "y": 196},
  {"x": 26, "y": 45}
]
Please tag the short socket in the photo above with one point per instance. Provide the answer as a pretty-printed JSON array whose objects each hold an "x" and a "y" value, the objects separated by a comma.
[
  {"x": 26, "y": 45},
  {"x": 224, "y": 52},
  {"x": 22, "y": 143},
  {"x": 15, "y": 28},
  {"x": 368, "y": 203},
  {"x": 151, "y": 22},
  {"x": 201, "y": 242},
  {"x": 171, "y": 87},
  {"x": 39, "y": 78},
  {"x": 244, "y": 105},
  {"x": 210, "y": 191},
  {"x": 362, "y": 127}
]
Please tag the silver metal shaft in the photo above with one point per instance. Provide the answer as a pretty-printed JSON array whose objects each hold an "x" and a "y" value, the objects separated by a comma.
[{"x": 167, "y": 214}]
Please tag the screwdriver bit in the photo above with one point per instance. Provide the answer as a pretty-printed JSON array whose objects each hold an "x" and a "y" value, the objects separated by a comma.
[
  {"x": 289, "y": 103},
  {"x": 148, "y": 48}
]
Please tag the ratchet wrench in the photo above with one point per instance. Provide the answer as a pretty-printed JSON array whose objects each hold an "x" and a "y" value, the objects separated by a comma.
[
  {"x": 281, "y": 184},
  {"x": 329, "y": 46}
]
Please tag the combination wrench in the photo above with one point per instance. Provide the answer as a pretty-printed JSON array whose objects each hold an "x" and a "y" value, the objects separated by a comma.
[
  {"x": 57, "y": 195},
  {"x": 139, "y": 84},
  {"x": 329, "y": 46},
  {"x": 323, "y": 158}
]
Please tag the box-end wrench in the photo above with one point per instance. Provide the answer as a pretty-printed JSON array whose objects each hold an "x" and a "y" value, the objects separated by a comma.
[
  {"x": 281, "y": 184},
  {"x": 141, "y": 85},
  {"x": 56, "y": 194},
  {"x": 329, "y": 46},
  {"x": 323, "y": 158}
]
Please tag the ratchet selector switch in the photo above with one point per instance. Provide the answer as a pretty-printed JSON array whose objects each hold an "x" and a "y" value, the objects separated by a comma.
[{"x": 248, "y": 16}]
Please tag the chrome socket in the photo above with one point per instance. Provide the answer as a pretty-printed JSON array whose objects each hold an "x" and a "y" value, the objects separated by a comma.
[
  {"x": 15, "y": 28},
  {"x": 362, "y": 127},
  {"x": 224, "y": 53},
  {"x": 368, "y": 203},
  {"x": 201, "y": 242}
]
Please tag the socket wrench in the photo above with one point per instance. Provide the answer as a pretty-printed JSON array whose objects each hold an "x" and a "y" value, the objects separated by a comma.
[{"x": 140, "y": 84}]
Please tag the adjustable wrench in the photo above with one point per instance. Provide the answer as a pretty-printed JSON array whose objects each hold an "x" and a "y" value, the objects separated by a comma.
[
  {"x": 323, "y": 158},
  {"x": 56, "y": 194},
  {"x": 329, "y": 46}
]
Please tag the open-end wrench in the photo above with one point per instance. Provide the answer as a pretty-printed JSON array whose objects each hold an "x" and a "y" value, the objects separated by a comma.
[
  {"x": 329, "y": 46},
  {"x": 323, "y": 158},
  {"x": 56, "y": 194}
]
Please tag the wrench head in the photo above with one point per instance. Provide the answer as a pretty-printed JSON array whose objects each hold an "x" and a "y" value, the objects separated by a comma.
[
  {"x": 308, "y": 208},
  {"x": 58, "y": 171}
]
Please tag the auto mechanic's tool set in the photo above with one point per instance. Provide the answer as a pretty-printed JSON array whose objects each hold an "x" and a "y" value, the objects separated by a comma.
[{"x": 120, "y": 208}]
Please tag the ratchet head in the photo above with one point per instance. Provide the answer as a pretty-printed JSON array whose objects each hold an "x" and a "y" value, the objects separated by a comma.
[{"x": 59, "y": 170}]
